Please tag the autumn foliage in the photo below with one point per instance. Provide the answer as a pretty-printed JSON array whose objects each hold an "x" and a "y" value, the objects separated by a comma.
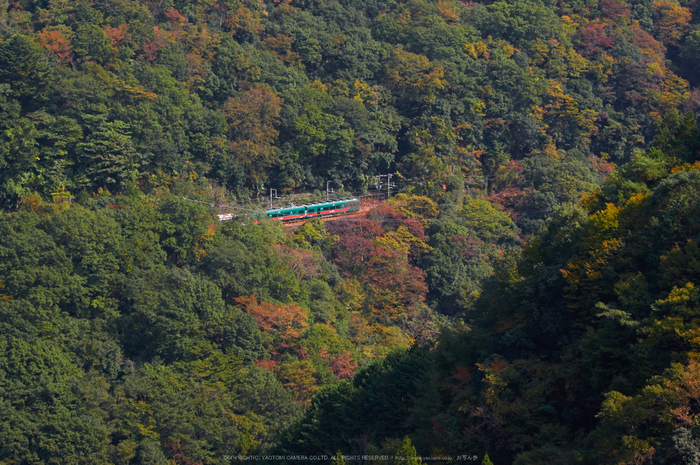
[
  {"x": 525, "y": 286},
  {"x": 283, "y": 323}
]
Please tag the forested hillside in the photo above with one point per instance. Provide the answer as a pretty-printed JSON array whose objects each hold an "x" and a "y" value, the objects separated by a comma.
[{"x": 527, "y": 291}]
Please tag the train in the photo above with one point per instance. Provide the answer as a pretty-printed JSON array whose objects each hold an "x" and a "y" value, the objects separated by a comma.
[{"x": 312, "y": 210}]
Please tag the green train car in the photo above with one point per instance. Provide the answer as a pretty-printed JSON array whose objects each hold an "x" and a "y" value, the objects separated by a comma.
[{"x": 314, "y": 210}]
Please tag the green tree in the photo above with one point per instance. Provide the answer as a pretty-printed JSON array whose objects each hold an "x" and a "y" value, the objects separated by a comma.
[
  {"x": 518, "y": 22},
  {"x": 107, "y": 156},
  {"x": 408, "y": 452},
  {"x": 94, "y": 245},
  {"x": 455, "y": 267},
  {"x": 488, "y": 223},
  {"x": 25, "y": 68},
  {"x": 165, "y": 314},
  {"x": 185, "y": 228},
  {"x": 44, "y": 417},
  {"x": 18, "y": 153},
  {"x": 689, "y": 52},
  {"x": 322, "y": 140},
  {"x": 252, "y": 116},
  {"x": 90, "y": 44}
]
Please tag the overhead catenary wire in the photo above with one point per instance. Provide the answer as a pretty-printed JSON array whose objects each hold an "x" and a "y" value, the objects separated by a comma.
[{"x": 399, "y": 187}]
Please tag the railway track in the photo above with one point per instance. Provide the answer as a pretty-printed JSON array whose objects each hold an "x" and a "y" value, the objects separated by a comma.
[
  {"x": 365, "y": 206},
  {"x": 345, "y": 216}
]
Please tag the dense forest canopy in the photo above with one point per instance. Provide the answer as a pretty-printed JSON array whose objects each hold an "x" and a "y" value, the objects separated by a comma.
[{"x": 528, "y": 293}]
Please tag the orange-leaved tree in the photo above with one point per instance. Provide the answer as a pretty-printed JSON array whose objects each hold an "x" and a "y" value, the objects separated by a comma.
[{"x": 281, "y": 324}]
